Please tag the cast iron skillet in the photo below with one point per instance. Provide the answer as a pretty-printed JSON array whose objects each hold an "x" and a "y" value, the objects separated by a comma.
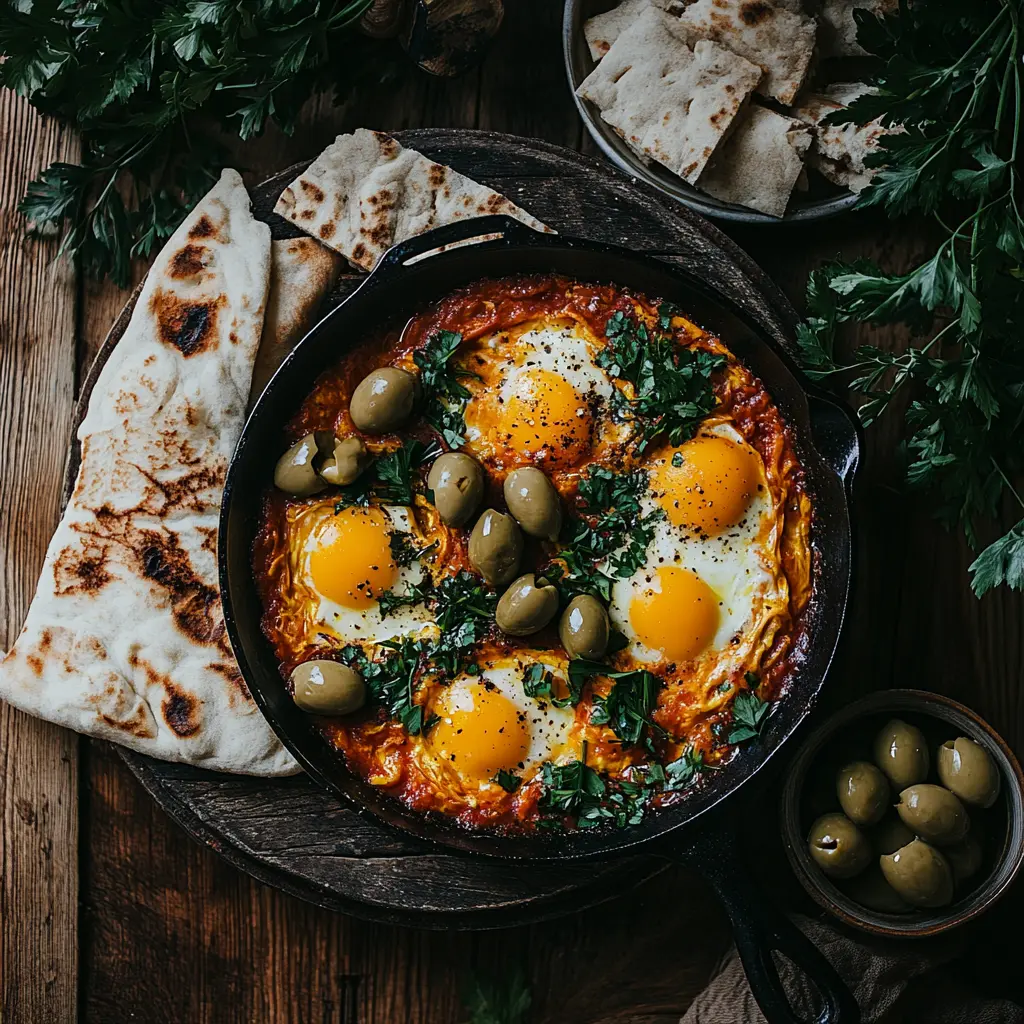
[{"x": 827, "y": 441}]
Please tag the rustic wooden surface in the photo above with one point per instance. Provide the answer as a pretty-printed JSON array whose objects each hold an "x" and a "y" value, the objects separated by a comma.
[{"x": 166, "y": 931}]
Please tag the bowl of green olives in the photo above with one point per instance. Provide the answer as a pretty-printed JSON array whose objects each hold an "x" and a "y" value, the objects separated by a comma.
[{"x": 903, "y": 815}]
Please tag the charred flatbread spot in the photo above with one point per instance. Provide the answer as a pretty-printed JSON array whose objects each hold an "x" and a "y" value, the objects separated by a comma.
[
  {"x": 81, "y": 570},
  {"x": 359, "y": 252},
  {"x": 189, "y": 327},
  {"x": 307, "y": 214},
  {"x": 180, "y": 710},
  {"x": 436, "y": 176},
  {"x": 326, "y": 229},
  {"x": 203, "y": 228},
  {"x": 313, "y": 191},
  {"x": 189, "y": 261},
  {"x": 196, "y": 606},
  {"x": 230, "y": 673},
  {"x": 755, "y": 12},
  {"x": 35, "y": 663}
]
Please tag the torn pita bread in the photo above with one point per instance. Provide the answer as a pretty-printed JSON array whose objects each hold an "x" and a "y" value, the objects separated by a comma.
[
  {"x": 366, "y": 192},
  {"x": 602, "y": 30},
  {"x": 837, "y": 30},
  {"x": 302, "y": 272},
  {"x": 838, "y": 152},
  {"x": 125, "y": 636},
  {"x": 670, "y": 103},
  {"x": 759, "y": 164},
  {"x": 777, "y": 39}
]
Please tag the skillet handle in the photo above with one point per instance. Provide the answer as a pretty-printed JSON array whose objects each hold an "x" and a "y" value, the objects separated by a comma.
[
  {"x": 836, "y": 435},
  {"x": 458, "y": 231},
  {"x": 760, "y": 929}
]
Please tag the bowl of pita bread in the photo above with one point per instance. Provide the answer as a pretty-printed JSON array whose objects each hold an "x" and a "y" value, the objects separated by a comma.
[{"x": 722, "y": 104}]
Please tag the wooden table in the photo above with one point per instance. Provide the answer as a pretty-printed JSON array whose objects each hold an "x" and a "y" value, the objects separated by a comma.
[{"x": 108, "y": 913}]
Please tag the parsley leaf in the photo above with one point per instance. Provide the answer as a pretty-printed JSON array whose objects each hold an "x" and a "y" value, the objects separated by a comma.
[
  {"x": 393, "y": 679},
  {"x": 539, "y": 683},
  {"x": 497, "y": 1003},
  {"x": 393, "y": 479},
  {"x": 749, "y": 714},
  {"x": 508, "y": 781},
  {"x": 441, "y": 383},
  {"x": 627, "y": 708},
  {"x": 1001, "y": 562},
  {"x": 574, "y": 788}
]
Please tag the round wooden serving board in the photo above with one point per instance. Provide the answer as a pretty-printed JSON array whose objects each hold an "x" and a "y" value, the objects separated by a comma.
[{"x": 287, "y": 832}]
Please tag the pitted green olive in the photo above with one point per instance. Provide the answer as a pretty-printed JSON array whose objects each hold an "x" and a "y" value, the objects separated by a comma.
[
  {"x": 458, "y": 485},
  {"x": 871, "y": 890},
  {"x": 527, "y": 606},
  {"x": 863, "y": 792},
  {"x": 920, "y": 874},
  {"x": 327, "y": 688},
  {"x": 495, "y": 547},
  {"x": 349, "y": 459},
  {"x": 967, "y": 770},
  {"x": 383, "y": 400},
  {"x": 296, "y": 470},
  {"x": 533, "y": 501},
  {"x": 583, "y": 628},
  {"x": 964, "y": 857},
  {"x": 933, "y": 813},
  {"x": 838, "y": 847},
  {"x": 889, "y": 835},
  {"x": 901, "y": 752}
]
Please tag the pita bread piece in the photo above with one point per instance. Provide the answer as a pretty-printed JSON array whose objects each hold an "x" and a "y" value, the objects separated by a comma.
[
  {"x": 760, "y": 163},
  {"x": 125, "y": 636},
  {"x": 837, "y": 31},
  {"x": 302, "y": 273},
  {"x": 777, "y": 39},
  {"x": 602, "y": 30},
  {"x": 366, "y": 192},
  {"x": 838, "y": 152},
  {"x": 670, "y": 103}
]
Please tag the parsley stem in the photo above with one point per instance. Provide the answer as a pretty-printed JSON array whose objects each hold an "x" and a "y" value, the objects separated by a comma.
[{"x": 1006, "y": 480}]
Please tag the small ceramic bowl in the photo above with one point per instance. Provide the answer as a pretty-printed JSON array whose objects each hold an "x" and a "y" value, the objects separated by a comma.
[{"x": 810, "y": 790}]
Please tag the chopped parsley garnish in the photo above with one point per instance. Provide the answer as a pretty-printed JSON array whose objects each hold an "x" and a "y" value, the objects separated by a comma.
[
  {"x": 672, "y": 383},
  {"x": 574, "y": 788},
  {"x": 392, "y": 680},
  {"x": 393, "y": 478},
  {"x": 749, "y": 714},
  {"x": 404, "y": 550},
  {"x": 539, "y": 683},
  {"x": 508, "y": 781},
  {"x": 627, "y": 708},
  {"x": 446, "y": 396}
]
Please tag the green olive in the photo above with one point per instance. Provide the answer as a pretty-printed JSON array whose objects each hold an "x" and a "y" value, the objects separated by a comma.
[
  {"x": 871, "y": 890},
  {"x": 495, "y": 547},
  {"x": 327, "y": 688},
  {"x": 383, "y": 400},
  {"x": 863, "y": 792},
  {"x": 838, "y": 847},
  {"x": 531, "y": 497},
  {"x": 458, "y": 485},
  {"x": 889, "y": 835},
  {"x": 901, "y": 752},
  {"x": 933, "y": 813},
  {"x": 349, "y": 459},
  {"x": 583, "y": 628},
  {"x": 296, "y": 470},
  {"x": 920, "y": 874},
  {"x": 964, "y": 857},
  {"x": 527, "y": 606},
  {"x": 966, "y": 769}
]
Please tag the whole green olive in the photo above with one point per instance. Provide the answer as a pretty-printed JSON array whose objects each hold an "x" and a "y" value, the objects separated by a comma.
[
  {"x": 920, "y": 874},
  {"x": 327, "y": 688},
  {"x": 838, "y": 847},
  {"x": 383, "y": 400},
  {"x": 350, "y": 457},
  {"x": 533, "y": 501},
  {"x": 933, "y": 813},
  {"x": 964, "y": 857},
  {"x": 901, "y": 752},
  {"x": 495, "y": 547},
  {"x": 527, "y": 606},
  {"x": 584, "y": 628},
  {"x": 458, "y": 482},
  {"x": 889, "y": 835},
  {"x": 871, "y": 890},
  {"x": 296, "y": 470},
  {"x": 863, "y": 792},
  {"x": 967, "y": 770}
]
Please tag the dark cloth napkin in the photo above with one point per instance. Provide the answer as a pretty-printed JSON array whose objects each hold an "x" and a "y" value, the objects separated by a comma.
[{"x": 894, "y": 982}]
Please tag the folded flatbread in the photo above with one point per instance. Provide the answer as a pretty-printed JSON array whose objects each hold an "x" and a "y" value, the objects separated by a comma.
[
  {"x": 776, "y": 38},
  {"x": 602, "y": 30},
  {"x": 759, "y": 164},
  {"x": 837, "y": 31},
  {"x": 125, "y": 636},
  {"x": 670, "y": 103},
  {"x": 838, "y": 151},
  {"x": 366, "y": 192}
]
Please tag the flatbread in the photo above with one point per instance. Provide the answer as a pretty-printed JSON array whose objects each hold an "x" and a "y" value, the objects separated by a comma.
[
  {"x": 760, "y": 163},
  {"x": 602, "y": 30},
  {"x": 670, "y": 103},
  {"x": 125, "y": 637},
  {"x": 366, "y": 192},
  {"x": 302, "y": 272},
  {"x": 838, "y": 152},
  {"x": 837, "y": 31},
  {"x": 776, "y": 38}
]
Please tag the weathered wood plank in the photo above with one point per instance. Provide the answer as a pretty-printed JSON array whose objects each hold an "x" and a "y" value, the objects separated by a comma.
[{"x": 38, "y": 762}]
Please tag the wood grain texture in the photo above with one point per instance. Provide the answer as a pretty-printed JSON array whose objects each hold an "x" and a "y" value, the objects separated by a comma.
[{"x": 38, "y": 761}]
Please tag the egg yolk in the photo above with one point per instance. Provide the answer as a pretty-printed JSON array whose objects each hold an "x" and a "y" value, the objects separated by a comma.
[
  {"x": 480, "y": 733},
  {"x": 678, "y": 615},
  {"x": 713, "y": 485},
  {"x": 352, "y": 562},
  {"x": 545, "y": 413}
]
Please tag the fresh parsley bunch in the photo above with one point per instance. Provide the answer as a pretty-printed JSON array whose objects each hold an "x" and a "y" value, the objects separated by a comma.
[
  {"x": 131, "y": 78},
  {"x": 952, "y": 80}
]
